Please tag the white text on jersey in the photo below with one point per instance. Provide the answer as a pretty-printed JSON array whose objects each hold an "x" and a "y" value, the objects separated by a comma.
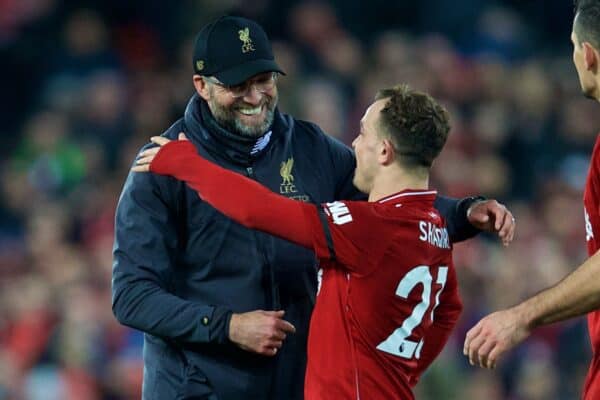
[
  {"x": 435, "y": 236},
  {"x": 589, "y": 232},
  {"x": 339, "y": 212}
]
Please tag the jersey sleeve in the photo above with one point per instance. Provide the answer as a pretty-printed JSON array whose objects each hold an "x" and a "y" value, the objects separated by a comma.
[
  {"x": 240, "y": 198},
  {"x": 336, "y": 231},
  {"x": 344, "y": 232}
]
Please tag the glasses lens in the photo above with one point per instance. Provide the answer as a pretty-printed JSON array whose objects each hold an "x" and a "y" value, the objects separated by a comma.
[
  {"x": 237, "y": 90},
  {"x": 262, "y": 85}
]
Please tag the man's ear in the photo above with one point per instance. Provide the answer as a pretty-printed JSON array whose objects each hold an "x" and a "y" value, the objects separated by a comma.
[
  {"x": 201, "y": 87},
  {"x": 387, "y": 154},
  {"x": 590, "y": 56}
]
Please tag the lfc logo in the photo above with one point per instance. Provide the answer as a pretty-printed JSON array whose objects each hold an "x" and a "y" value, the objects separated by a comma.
[
  {"x": 287, "y": 186},
  {"x": 245, "y": 38}
]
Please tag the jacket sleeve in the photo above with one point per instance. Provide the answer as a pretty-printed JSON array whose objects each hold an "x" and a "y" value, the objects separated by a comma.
[
  {"x": 144, "y": 256},
  {"x": 454, "y": 212}
]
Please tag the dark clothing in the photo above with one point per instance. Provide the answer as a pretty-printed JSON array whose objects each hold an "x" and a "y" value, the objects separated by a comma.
[{"x": 181, "y": 267}]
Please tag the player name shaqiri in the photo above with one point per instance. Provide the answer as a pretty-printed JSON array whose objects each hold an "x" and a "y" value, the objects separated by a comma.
[{"x": 435, "y": 236}]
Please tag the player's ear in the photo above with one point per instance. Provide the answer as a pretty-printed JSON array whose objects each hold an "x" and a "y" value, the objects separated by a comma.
[
  {"x": 201, "y": 87},
  {"x": 590, "y": 56},
  {"x": 387, "y": 153}
]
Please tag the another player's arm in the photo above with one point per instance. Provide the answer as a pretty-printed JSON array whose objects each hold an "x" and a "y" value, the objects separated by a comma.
[{"x": 577, "y": 294}]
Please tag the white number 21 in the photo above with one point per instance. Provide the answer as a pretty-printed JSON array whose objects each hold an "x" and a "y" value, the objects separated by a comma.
[{"x": 396, "y": 343}]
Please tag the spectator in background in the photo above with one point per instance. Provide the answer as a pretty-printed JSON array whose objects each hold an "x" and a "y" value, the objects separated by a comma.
[{"x": 195, "y": 282}]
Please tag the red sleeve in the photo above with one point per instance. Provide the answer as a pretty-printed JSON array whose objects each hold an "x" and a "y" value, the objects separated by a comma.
[
  {"x": 346, "y": 234},
  {"x": 236, "y": 196},
  {"x": 445, "y": 316}
]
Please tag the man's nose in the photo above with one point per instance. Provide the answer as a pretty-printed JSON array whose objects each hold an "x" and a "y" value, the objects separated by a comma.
[{"x": 252, "y": 96}]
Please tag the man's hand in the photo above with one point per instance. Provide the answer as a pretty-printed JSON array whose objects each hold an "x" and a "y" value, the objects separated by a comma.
[
  {"x": 261, "y": 332},
  {"x": 491, "y": 216},
  {"x": 493, "y": 336},
  {"x": 142, "y": 164}
]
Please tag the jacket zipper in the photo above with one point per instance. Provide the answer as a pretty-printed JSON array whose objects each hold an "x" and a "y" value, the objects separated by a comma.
[{"x": 275, "y": 301}]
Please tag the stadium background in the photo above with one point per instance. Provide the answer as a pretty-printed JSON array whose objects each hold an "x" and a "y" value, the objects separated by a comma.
[{"x": 85, "y": 83}]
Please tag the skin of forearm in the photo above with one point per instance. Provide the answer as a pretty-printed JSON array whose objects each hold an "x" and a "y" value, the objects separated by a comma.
[{"x": 577, "y": 294}]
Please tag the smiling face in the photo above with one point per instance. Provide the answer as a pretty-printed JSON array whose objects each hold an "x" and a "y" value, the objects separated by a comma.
[{"x": 251, "y": 114}]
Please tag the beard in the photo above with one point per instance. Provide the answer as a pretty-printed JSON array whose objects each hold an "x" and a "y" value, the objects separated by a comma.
[{"x": 227, "y": 116}]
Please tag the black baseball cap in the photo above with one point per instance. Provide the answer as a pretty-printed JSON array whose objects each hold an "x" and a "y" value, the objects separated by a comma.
[{"x": 233, "y": 49}]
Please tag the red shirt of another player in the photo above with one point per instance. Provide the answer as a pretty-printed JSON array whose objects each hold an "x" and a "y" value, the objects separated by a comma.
[
  {"x": 388, "y": 298},
  {"x": 591, "y": 202}
]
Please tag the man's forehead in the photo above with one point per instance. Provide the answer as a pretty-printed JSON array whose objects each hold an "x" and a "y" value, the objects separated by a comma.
[
  {"x": 374, "y": 109},
  {"x": 364, "y": 117}
]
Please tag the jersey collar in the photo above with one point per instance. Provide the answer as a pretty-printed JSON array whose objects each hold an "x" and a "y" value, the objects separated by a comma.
[{"x": 409, "y": 194}]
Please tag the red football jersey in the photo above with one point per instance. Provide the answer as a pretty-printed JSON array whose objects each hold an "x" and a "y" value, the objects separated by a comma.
[
  {"x": 388, "y": 297},
  {"x": 591, "y": 202}
]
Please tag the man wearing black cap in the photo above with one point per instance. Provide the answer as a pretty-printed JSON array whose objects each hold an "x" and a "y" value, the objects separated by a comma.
[{"x": 196, "y": 282}]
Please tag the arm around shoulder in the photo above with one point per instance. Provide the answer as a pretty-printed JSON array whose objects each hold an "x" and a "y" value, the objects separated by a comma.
[{"x": 455, "y": 213}]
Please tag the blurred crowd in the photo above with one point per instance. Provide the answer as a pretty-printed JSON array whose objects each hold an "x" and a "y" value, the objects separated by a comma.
[{"x": 85, "y": 84}]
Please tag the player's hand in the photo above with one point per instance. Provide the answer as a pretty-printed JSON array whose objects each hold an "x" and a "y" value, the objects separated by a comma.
[
  {"x": 142, "y": 164},
  {"x": 491, "y": 216},
  {"x": 493, "y": 336},
  {"x": 261, "y": 332}
]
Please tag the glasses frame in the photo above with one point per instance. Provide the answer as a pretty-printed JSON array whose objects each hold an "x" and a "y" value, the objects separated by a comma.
[{"x": 244, "y": 87}]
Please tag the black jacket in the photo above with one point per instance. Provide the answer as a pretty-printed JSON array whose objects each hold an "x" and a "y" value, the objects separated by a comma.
[{"x": 181, "y": 267}]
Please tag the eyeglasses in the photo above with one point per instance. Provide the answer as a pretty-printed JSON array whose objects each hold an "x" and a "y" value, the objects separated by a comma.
[{"x": 262, "y": 84}]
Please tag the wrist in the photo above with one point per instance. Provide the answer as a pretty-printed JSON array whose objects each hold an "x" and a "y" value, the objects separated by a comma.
[
  {"x": 525, "y": 315},
  {"x": 172, "y": 157},
  {"x": 232, "y": 327},
  {"x": 228, "y": 318},
  {"x": 468, "y": 203}
]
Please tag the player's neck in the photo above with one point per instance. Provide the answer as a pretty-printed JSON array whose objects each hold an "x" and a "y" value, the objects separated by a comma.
[{"x": 387, "y": 183}]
